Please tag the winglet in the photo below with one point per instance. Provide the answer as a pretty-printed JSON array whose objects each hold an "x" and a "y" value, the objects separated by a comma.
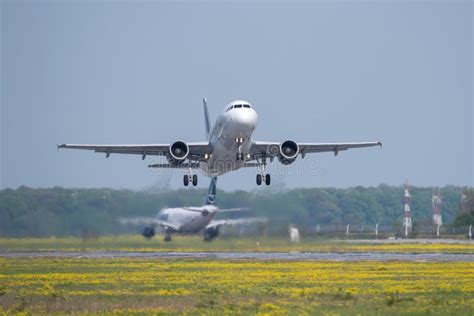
[
  {"x": 206, "y": 118},
  {"x": 380, "y": 144}
]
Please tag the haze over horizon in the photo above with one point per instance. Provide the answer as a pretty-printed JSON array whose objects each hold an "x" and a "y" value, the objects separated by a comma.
[{"x": 104, "y": 72}]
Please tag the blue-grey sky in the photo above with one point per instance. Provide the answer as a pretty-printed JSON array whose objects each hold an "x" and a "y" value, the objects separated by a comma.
[{"x": 135, "y": 72}]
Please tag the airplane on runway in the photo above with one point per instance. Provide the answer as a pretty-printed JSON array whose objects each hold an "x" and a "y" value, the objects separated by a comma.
[
  {"x": 228, "y": 147},
  {"x": 191, "y": 220}
]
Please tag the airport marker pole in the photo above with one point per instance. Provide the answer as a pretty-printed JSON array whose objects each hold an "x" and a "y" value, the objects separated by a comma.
[{"x": 406, "y": 209}]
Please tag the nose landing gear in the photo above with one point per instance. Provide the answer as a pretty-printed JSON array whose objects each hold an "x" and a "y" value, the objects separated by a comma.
[{"x": 240, "y": 155}]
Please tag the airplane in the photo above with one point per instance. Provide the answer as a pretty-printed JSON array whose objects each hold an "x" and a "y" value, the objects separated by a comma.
[
  {"x": 228, "y": 147},
  {"x": 191, "y": 220}
]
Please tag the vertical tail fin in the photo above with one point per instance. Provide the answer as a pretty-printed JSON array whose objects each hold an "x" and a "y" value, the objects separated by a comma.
[
  {"x": 206, "y": 118},
  {"x": 211, "y": 193}
]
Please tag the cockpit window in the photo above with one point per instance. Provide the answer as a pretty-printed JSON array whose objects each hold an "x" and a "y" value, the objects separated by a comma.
[
  {"x": 237, "y": 106},
  {"x": 162, "y": 216}
]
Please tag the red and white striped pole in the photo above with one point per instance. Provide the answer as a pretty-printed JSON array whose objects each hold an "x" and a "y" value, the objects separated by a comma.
[
  {"x": 406, "y": 209},
  {"x": 436, "y": 208}
]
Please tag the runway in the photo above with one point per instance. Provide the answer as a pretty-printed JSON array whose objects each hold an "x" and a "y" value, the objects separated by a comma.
[{"x": 307, "y": 256}]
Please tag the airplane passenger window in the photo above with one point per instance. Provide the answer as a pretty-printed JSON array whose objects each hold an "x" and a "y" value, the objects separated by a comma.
[{"x": 238, "y": 106}]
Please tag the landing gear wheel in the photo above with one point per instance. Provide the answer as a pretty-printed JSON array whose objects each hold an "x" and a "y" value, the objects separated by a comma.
[
  {"x": 195, "y": 180},
  {"x": 239, "y": 156},
  {"x": 259, "y": 179},
  {"x": 186, "y": 180},
  {"x": 267, "y": 179}
]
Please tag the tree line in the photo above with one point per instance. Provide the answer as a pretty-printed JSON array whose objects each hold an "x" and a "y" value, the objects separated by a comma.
[{"x": 71, "y": 212}]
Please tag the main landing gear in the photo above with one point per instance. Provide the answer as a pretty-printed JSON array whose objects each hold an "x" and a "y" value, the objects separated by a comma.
[
  {"x": 190, "y": 178},
  {"x": 262, "y": 177}
]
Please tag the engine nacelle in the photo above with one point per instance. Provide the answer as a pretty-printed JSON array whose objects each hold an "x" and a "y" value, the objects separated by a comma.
[
  {"x": 289, "y": 151},
  {"x": 178, "y": 152},
  {"x": 211, "y": 233},
  {"x": 148, "y": 232}
]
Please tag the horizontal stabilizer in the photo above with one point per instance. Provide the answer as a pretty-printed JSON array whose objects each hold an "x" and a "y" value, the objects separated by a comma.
[
  {"x": 251, "y": 165},
  {"x": 170, "y": 166}
]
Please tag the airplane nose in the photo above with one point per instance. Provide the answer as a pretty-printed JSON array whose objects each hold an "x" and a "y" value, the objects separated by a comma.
[{"x": 247, "y": 117}]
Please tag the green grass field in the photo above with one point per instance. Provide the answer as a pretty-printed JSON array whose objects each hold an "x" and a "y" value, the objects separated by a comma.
[
  {"x": 139, "y": 286},
  {"x": 195, "y": 243},
  {"x": 209, "y": 286}
]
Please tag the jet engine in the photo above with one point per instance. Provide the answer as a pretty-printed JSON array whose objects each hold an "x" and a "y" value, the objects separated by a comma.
[
  {"x": 148, "y": 232},
  {"x": 177, "y": 152},
  {"x": 211, "y": 233},
  {"x": 289, "y": 151}
]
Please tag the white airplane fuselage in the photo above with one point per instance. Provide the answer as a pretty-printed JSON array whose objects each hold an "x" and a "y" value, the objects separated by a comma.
[
  {"x": 190, "y": 220},
  {"x": 233, "y": 128}
]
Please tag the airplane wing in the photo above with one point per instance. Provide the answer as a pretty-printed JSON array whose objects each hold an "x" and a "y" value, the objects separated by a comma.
[
  {"x": 334, "y": 147},
  {"x": 240, "y": 221},
  {"x": 272, "y": 149},
  {"x": 147, "y": 221},
  {"x": 196, "y": 149}
]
